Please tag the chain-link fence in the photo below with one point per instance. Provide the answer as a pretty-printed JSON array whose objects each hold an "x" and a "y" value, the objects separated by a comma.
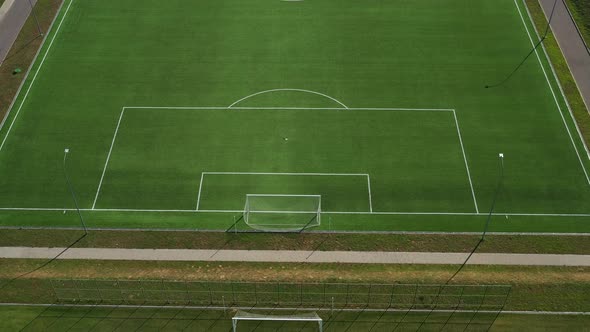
[
  {"x": 134, "y": 305},
  {"x": 278, "y": 294}
]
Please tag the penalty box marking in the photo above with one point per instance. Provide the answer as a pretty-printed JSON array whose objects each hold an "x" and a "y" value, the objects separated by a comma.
[
  {"x": 450, "y": 110},
  {"x": 283, "y": 174}
]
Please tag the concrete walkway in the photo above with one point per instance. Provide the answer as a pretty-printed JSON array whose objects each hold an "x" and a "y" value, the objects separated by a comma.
[
  {"x": 13, "y": 15},
  {"x": 292, "y": 256},
  {"x": 571, "y": 44}
]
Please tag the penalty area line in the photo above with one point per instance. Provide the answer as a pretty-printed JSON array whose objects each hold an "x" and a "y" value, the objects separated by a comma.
[
  {"x": 369, "y": 189},
  {"x": 465, "y": 160},
  {"x": 108, "y": 158},
  {"x": 199, "y": 196}
]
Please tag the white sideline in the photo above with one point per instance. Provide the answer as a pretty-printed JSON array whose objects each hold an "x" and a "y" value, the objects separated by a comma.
[
  {"x": 552, "y": 91},
  {"x": 370, "y": 196},
  {"x": 292, "y": 108},
  {"x": 282, "y": 174},
  {"x": 287, "y": 89},
  {"x": 34, "y": 76}
]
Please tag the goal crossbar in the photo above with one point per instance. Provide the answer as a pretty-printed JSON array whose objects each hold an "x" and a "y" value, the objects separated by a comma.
[
  {"x": 291, "y": 212},
  {"x": 303, "y": 317}
]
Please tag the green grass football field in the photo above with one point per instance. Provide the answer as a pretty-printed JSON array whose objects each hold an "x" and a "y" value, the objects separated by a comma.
[{"x": 173, "y": 111}]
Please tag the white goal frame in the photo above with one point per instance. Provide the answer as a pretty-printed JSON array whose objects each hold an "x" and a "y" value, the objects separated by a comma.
[
  {"x": 281, "y": 227},
  {"x": 248, "y": 316}
]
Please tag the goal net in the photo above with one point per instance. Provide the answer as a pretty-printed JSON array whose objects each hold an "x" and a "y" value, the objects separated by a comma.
[
  {"x": 282, "y": 213},
  {"x": 278, "y": 320}
]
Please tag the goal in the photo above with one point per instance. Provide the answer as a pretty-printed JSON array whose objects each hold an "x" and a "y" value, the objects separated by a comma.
[
  {"x": 282, "y": 213},
  {"x": 301, "y": 318}
]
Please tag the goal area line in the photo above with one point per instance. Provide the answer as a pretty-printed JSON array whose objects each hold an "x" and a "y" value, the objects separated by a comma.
[{"x": 203, "y": 174}]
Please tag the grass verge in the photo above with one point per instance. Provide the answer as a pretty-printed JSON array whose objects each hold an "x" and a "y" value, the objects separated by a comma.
[{"x": 309, "y": 241}]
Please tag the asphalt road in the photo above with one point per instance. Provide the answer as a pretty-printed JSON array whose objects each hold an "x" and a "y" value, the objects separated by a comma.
[{"x": 13, "y": 15}]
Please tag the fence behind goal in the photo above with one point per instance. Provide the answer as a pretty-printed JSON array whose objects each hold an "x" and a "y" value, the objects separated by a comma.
[
  {"x": 285, "y": 295},
  {"x": 216, "y": 306}
]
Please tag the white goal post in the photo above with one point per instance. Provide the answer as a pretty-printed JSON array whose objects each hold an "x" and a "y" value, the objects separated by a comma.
[
  {"x": 303, "y": 317},
  {"x": 281, "y": 212}
]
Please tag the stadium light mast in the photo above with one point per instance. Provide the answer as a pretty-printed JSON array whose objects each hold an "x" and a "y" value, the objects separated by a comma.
[
  {"x": 66, "y": 151},
  {"x": 498, "y": 188}
]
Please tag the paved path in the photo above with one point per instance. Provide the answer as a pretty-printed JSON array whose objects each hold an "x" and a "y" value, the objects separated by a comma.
[
  {"x": 13, "y": 15},
  {"x": 292, "y": 256},
  {"x": 571, "y": 45}
]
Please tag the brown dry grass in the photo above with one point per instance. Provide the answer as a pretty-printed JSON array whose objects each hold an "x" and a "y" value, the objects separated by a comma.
[
  {"x": 310, "y": 241},
  {"x": 293, "y": 272}
]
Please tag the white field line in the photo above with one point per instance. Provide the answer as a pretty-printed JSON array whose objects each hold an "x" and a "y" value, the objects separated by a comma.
[
  {"x": 283, "y": 211},
  {"x": 286, "y": 174},
  {"x": 289, "y": 174},
  {"x": 199, "y": 195},
  {"x": 108, "y": 158},
  {"x": 323, "y": 212},
  {"x": 552, "y": 92},
  {"x": 35, "y": 76},
  {"x": 465, "y": 160},
  {"x": 369, "y": 189},
  {"x": 282, "y": 195},
  {"x": 288, "y": 89}
]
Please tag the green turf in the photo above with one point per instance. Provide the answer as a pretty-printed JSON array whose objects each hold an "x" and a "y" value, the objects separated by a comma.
[{"x": 428, "y": 54}]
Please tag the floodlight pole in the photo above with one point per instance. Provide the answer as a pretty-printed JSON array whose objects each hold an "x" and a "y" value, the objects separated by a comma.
[
  {"x": 498, "y": 187},
  {"x": 66, "y": 151}
]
